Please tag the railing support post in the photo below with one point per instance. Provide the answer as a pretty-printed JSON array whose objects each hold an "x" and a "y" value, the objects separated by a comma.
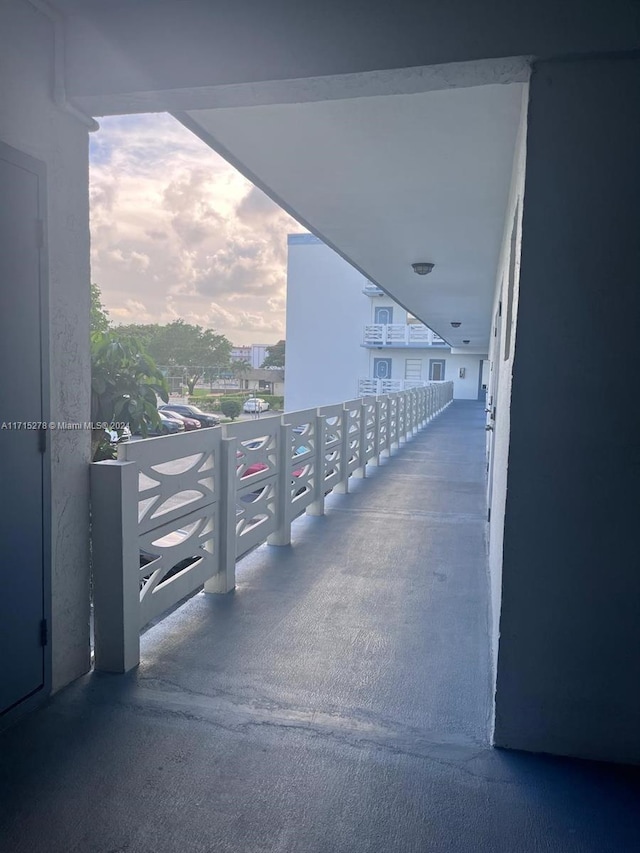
[
  {"x": 361, "y": 471},
  {"x": 316, "y": 507},
  {"x": 115, "y": 565},
  {"x": 377, "y": 442},
  {"x": 282, "y": 533},
  {"x": 225, "y": 578},
  {"x": 342, "y": 486}
]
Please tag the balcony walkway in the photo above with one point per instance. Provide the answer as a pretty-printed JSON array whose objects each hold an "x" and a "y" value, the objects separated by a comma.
[{"x": 337, "y": 702}]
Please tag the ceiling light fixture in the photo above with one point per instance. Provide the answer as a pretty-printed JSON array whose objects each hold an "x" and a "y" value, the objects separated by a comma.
[
  {"x": 422, "y": 267},
  {"x": 467, "y": 341},
  {"x": 456, "y": 324}
]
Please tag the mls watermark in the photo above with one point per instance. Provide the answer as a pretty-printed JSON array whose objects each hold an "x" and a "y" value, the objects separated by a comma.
[{"x": 63, "y": 425}]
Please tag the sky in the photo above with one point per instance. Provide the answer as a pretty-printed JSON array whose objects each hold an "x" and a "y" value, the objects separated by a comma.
[{"x": 176, "y": 232}]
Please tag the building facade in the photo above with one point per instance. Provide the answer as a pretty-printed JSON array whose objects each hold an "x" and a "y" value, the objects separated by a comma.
[
  {"x": 365, "y": 343},
  {"x": 253, "y": 354}
]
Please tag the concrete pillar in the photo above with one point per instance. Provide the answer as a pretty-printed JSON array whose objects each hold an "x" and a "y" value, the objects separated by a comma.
[{"x": 116, "y": 565}]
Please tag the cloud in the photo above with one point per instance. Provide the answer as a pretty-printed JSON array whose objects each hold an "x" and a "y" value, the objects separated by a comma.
[
  {"x": 256, "y": 206},
  {"x": 177, "y": 232}
]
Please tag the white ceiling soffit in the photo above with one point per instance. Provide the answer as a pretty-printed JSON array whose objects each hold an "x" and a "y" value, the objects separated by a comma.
[{"x": 390, "y": 179}]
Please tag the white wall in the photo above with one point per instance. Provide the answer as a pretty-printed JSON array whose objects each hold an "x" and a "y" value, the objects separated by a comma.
[
  {"x": 464, "y": 388},
  {"x": 258, "y": 354},
  {"x": 326, "y": 314},
  {"x": 499, "y": 381},
  {"x": 30, "y": 122}
]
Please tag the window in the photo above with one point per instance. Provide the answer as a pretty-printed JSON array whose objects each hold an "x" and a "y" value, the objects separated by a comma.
[
  {"x": 382, "y": 368},
  {"x": 383, "y": 315},
  {"x": 436, "y": 369},
  {"x": 413, "y": 368}
]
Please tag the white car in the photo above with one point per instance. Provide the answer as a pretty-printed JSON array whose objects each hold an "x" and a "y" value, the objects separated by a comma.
[{"x": 255, "y": 404}]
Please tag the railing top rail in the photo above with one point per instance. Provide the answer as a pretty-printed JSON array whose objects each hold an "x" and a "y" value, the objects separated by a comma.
[
  {"x": 153, "y": 451},
  {"x": 333, "y": 411},
  {"x": 255, "y": 428},
  {"x": 302, "y": 416}
]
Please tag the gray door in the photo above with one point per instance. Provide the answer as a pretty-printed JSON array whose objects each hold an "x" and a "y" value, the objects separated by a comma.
[
  {"x": 436, "y": 369},
  {"x": 382, "y": 368},
  {"x": 22, "y": 541},
  {"x": 383, "y": 315}
]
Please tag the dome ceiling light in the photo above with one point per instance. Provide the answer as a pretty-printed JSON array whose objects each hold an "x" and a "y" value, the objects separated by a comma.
[{"x": 422, "y": 267}]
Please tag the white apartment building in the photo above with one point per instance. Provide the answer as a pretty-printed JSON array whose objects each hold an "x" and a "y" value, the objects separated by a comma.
[
  {"x": 347, "y": 338},
  {"x": 253, "y": 354}
]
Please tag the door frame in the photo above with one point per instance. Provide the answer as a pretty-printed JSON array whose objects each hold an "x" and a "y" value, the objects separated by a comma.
[
  {"x": 378, "y": 310},
  {"x": 386, "y": 360},
  {"x": 432, "y": 363},
  {"x": 37, "y": 167}
]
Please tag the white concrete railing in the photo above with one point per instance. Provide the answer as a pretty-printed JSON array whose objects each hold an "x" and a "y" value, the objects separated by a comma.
[
  {"x": 371, "y": 289},
  {"x": 173, "y": 514},
  {"x": 379, "y": 387},
  {"x": 400, "y": 335}
]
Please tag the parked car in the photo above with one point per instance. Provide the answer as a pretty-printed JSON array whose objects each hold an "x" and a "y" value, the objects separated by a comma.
[
  {"x": 255, "y": 404},
  {"x": 250, "y": 469},
  {"x": 260, "y": 466},
  {"x": 167, "y": 426},
  {"x": 189, "y": 423},
  {"x": 205, "y": 418}
]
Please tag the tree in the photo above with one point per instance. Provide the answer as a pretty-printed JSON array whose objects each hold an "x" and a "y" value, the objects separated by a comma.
[
  {"x": 240, "y": 370},
  {"x": 141, "y": 333},
  {"x": 99, "y": 314},
  {"x": 125, "y": 385},
  {"x": 275, "y": 355},
  {"x": 230, "y": 408},
  {"x": 182, "y": 345}
]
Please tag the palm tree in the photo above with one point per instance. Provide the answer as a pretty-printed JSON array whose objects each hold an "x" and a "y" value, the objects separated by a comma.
[{"x": 240, "y": 370}]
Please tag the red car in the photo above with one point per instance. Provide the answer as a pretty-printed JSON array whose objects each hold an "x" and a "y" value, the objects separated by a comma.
[
  {"x": 189, "y": 423},
  {"x": 260, "y": 466}
]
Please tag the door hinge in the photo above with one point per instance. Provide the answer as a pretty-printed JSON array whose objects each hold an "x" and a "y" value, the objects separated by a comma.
[
  {"x": 42, "y": 440},
  {"x": 500, "y": 308},
  {"x": 489, "y": 514},
  {"x": 44, "y": 633},
  {"x": 40, "y": 233}
]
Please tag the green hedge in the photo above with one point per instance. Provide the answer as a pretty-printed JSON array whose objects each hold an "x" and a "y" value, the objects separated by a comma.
[{"x": 212, "y": 402}]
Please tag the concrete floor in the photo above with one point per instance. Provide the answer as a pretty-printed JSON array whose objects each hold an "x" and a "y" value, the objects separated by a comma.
[{"x": 337, "y": 701}]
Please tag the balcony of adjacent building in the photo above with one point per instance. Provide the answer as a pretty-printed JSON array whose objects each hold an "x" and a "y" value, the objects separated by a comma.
[
  {"x": 375, "y": 387},
  {"x": 371, "y": 289},
  {"x": 400, "y": 335}
]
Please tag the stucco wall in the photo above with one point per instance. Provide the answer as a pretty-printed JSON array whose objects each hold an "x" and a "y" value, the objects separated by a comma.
[
  {"x": 30, "y": 122},
  {"x": 326, "y": 313},
  {"x": 568, "y": 667},
  {"x": 500, "y": 377}
]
